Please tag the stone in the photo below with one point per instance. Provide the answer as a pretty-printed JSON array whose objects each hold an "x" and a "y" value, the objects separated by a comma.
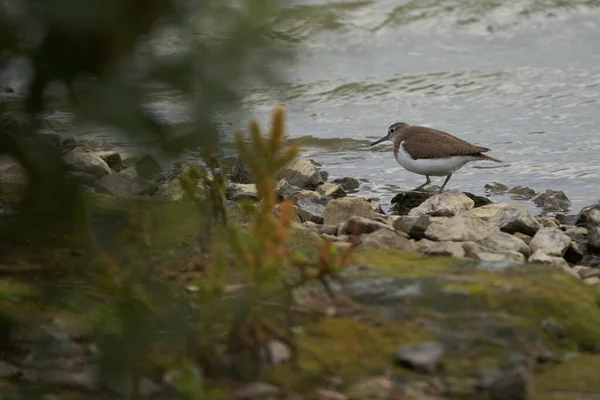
[
  {"x": 558, "y": 262},
  {"x": 506, "y": 256},
  {"x": 8, "y": 370},
  {"x": 521, "y": 193},
  {"x": 425, "y": 357},
  {"x": 472, "y": 249},
  {"x": 295, "y": 217},
  {"x": 444, "y": 249},
  {"x": 403, "y": 202},
  {"x": 586, "y": 272},
  {"x": 579, "y": 244},
  {"x": 356, "y": 225},
  {"x": 348, "y": 184},
  {"x": 413, "y": 226},
  {"x": 552, "y": 200},
  {"x": 112, "y": 158},
  {"x": 301, "y": 173},
  {"x": 308, "y": 210},
  {"x": 241, "y": 192},
  {"x": 324, "y": 175},
  {"x": 594, "y": 239},
  {"x": 331, "y": 189},
  {"x": 583, "y": 218},
  {"x": 550, "y": 241},
  {"x": 523, "y": 237},
  {"x": 130, "y": 172},
  {"x": 82, "y": 160},
  {"x": 487, "y": 212},
  {"x": 258, "y": 391},
  {"x": 326, "y": 394},
  {"x": 11, "y": 171},
  {"x": 515, "y": 218},
  {"x": 386, "y": 238},
  {"x": 69, "y": 143},
  {"x": 275, "y": 352},
  {"x": 446, "y": 204},
  {"x": 503, "y": 241},
  {"x": 377, "y": 388},
  {"x": 50, "y": 137},
  {"x": 495, "y": 188},
  {"x": 339, "y": 210},
  {"x": 240, "y": 173},
  {"x": 510, "y": 385},
  {"x": 306, "y": 195},
  {"x": 121, "y": 185},
  {"x": 460, "y": 229},
  {"x": 147, "y": 167},
  {"x": 285, "y": 190},
  {"x": 547, "y": 222},
  {"x": 97, "y": 145},
  {"x": 376, "y": 206},
  {"x": 479, "y": 201}
]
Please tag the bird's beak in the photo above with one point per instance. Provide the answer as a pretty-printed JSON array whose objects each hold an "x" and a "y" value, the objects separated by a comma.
[{"x": 379, "y": 141}]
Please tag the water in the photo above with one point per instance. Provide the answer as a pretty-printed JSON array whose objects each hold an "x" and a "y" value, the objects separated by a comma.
[{"x": 520, "y": 77}]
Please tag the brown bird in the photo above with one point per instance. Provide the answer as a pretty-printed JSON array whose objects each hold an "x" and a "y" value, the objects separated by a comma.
[{"x": 429, "y": 152}]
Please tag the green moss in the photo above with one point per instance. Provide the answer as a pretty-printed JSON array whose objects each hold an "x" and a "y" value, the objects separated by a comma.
[
  {"x": 348, "y": 348},
  {"x": 575, "y": 379}
]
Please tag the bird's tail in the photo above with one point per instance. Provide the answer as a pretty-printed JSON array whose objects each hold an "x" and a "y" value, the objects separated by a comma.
[{"x": 484, "y": 157}]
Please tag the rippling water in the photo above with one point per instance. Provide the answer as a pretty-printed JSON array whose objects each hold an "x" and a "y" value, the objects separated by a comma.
[{"x": 520, "y": 77}]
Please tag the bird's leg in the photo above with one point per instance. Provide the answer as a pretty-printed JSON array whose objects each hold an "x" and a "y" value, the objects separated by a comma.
[
  {"x": 427, "y": 182},
  {"x": 445, "y": 182}
]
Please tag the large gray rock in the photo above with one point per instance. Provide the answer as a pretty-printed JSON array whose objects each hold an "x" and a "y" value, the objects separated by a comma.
[
  {"x": 347, "y": 183},
  {"x": 506, "y": 256},
  {"x": 447, "y": 249},
  {"x": 446, "y": 204},
  {"x": 503, "y": 241},
  {"x": 331, "y": 189},
  {"x": 11, "y": 171},
  {"x": 521, "y": 193},
  {"x": 306, "y": 195},
  {"x": 339, "y": 210},
  {"x": 285, "y": 190},
  {"x": 460, "y": 229},
  {"x": 425, "y": 357},
  {"x": 356, "y": 225},
  {"x": 550, "y": 241},
  {"x": 557, "y": 262},
  {"x": 387, "y": 238},
  {"x": 583, "y": 218},
  {"x": 120, "y": 185},
  {"x": 82, "y": 160},
  {"x": 413, "y": 226},
  {"x": 552, "y": 200},
  {"x": 242, "y": 191},
  {"x": 579, "y": 244},
  {"x": 301, "y": 173},
  {"x": 147, "y": 167},
  {"x": 310, "y": 211},
  {"x": 515, "y": 218}
]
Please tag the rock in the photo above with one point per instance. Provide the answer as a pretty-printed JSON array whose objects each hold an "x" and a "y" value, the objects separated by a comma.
[
  {"x": 444, "y": 249},
  {"x": 324, "y": 175},
  {"x": 583, "y": 218},
  {"x": 413, "y": 226},
  {"x": 321, "y": 229},
  {"x": 552, "y": 200},
  {"x": 487, "y": 212},
  {"x": 479, "y": 201},
  {"x": 241, "y": 191},
  {"x": 147, "y": 167},
  {"x": 112, "y": 158},
  {"x": 276, "y": 352},
  {"x": 11, "y": 171},
  {"x": 558, "y": 262},
  {"x": 495, "y": 188},
  {"x": 425, "y": 357},
  {"x": 331, "y": 189},
  {"x": 514, "y": 218},
  {"x": 81, "y": 160},
  {"x": 521, "y": 193},
  {"x": 590, "y": 260},
  {"x": 504, "y": 385},
  {"x": 586, "y": 272},
  {"x": 130, "y": 172},
  {"x": 240, "y": 173},
  {"x": 285, "y": 190},
  {"x": 69, "y": 143},
  {"x": 579, "y": 244},
  {"x": 295, "y": 217},
  {"x": 8, "y": 370},
  {"x": 301, "y": 173},
  {"x": 358, "y": 225},
  {"x": 258, "y": 391},
  {"x": 386, "y": 238},
  {"x": 550, "y": 241},
  {"x": 460, "y": 229},
  {"x": 506, "y": 256},
  {"x": 446, "y": 204},
  {"x": 339, "y": 210},
  {"x": 79, "y": 380},
  {"x": 594, "y": 239},
  {"x": 97, "y": 145},
  {"x": 121, "y": 185},
  {"x": 325, "y": 394},
  {"x": 403, "y": 202},
  {"x": 348, "y": 184},
  {"x": 376, "y": 206},
  {"x": 591, "y": 281},
  {"x": 50, "y": 137},
  {"x": 306, "y": 195},
  {"x": 81, "y": 178},
  {"x": 547, "y": 222},
  {"x": 503, "y": 241},
  {"x": 378, "y": 388},
  {"x": 171, "y": 191},
  {"x": 308, "y": 210},
  {"x": 523, "y": 237}
]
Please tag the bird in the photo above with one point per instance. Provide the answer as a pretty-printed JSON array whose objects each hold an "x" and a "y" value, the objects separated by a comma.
[{"x": 431, "y": 152}]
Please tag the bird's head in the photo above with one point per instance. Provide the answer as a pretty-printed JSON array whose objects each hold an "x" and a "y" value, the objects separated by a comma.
[{"x": 393, "y": 131}]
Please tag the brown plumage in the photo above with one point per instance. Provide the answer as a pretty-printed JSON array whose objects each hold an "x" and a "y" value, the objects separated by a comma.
[{"x": 422, "y": 143}]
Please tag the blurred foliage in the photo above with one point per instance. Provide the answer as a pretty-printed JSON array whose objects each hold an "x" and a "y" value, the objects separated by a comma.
[{"x": 106, "y": 52}]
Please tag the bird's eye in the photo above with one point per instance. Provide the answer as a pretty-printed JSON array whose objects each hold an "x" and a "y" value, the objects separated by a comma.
[{"x": 391, "y": 130}]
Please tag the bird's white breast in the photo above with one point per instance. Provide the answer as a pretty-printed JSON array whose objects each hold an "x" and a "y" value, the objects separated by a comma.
[{"x": 431, "y": 166}]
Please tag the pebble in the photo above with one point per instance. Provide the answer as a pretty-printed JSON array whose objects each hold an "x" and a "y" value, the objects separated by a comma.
[{"x": 425, "y": 357}]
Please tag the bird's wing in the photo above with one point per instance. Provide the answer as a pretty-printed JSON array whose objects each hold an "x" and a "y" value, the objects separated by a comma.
[{"x": 425, "y": 142}]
